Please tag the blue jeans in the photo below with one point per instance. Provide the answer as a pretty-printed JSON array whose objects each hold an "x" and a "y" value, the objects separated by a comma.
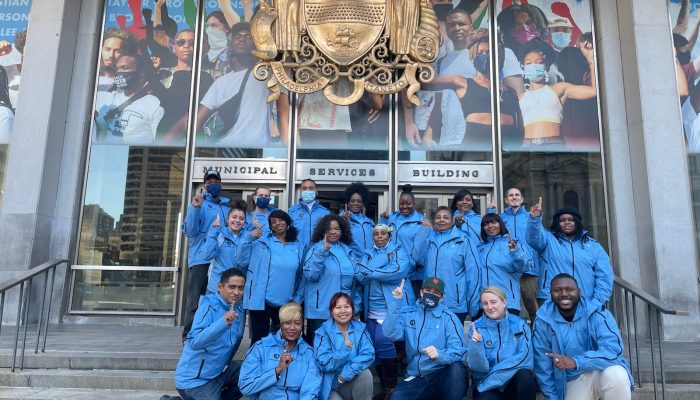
[
  {"x": 449, "y": 383},
  {"x": 383, "y": 346},
  {"x": 223, "y": 387}
]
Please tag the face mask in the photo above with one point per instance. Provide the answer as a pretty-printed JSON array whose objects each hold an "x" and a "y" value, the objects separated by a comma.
[
  {"x": 523, "y": 34},
  {"x": 683, "y": 57},
  {"x": 308, "y": 196},
  {"x": 535, "y": 72},
  {"x": 122, "y": 80},
  {"x": 482, "y": 64},
  {"x": 218, "y": 42},
  {"x": 214, "y": 189},
  {"x": 441, "y": 11},
  {"x": 262, "y": 202},
  {"x": 429, "y": 300},
  {"x": 561, "y": 39}
]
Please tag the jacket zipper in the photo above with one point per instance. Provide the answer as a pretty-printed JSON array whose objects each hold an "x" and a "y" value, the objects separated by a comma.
[
  {"x": 573, "y": 262},
  {"x": 199, "y": 372},
  {"x": 316, "y": 298},
  {"x": 511, "y": 289},
  {"x": 418, "y": 342},
  {"x": 544, "y": 281},
  {"x": 500, "y": 341}
]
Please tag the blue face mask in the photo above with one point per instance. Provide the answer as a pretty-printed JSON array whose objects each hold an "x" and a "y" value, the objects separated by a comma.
[
  {"x": 214, "y": 189},
  {"x": 561, "y": 39},
  {"x": 308, "y": 196},
  {"x": 262, "y": 202},
  {"x": 535, "y": 72}
]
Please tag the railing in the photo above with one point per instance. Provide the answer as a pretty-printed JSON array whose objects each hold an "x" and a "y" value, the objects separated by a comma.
[
  {"x": 24, "y": 282},
  {"x": 630, "y": 295}
]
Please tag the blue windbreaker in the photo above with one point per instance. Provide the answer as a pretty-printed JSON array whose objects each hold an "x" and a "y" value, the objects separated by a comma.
[
  {"x": 591, "y": 328},
  {"x": 471, "y": 225},
  {"x": 326, "y": 273},
  {"x": 305, "y": 221},
  {"x": 586, "y": 261},
  {"x": 421, "y": 328},
  {"x": 379, "y": 275},
  {"x": 361, "y": 230},
  {"x": 336, "y": 359},
  {"x": 405, "y": 229},
  {"x": 506, "y": 347},
  {"x": 300, "y": 381},
  {"x": 262, "y": 219},
  {"x": 516, "y": 222},
  {"x": 503, "y": 267},
  {"x": 255, "y": 257},
  {"x": 452, "y": 257},
  {"x": 222, "y": 246},
  {"x": 209, "y": 343},
  {"x": 197, "y": 223}
]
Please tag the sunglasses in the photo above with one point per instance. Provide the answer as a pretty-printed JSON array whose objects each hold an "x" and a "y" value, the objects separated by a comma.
[{"x": 182, "y": 42}]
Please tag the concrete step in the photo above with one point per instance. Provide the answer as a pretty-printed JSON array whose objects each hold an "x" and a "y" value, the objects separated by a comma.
[
  {"x": 13, "y": 393},
  {"x": 673, "y": 392},
  {"x": 89, "y": 379},
  {"x": 94, "y": 360}
]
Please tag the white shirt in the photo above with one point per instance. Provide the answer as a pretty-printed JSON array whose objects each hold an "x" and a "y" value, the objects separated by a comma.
[
  {"x": 137, "y": 123},
  {"x": 13, "y": 79},
  {"x": 7, "y": 119}
]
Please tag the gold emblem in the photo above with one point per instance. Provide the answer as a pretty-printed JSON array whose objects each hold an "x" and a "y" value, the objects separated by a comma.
[{"x": 382, "y": 46}]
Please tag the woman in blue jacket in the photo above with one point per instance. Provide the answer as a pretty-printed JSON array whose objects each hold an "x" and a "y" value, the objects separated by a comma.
[
  {"x": 567, "y": 248},
  {"x": 344, "y": 353},
  {"x": 356, "y": 199},
  {"x": 274, "y": 273},
  {"x": 503, "y": 259},
  {"x": 466, "y": 214},
  {"x": 449, "y": 254},
  {"x": 380, "y": 270},
  {"x": 406, "y": 223},
  {"x": 280, "y": 366},
  {"x": 499, "y": 352},
  {"x": 329, "y": 267}
]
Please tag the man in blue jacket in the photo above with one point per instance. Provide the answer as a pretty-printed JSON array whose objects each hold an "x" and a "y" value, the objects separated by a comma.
[
  {"x": 578, "y": 349},
  {"x": 306, "y": 214},
  {"x": 201, "y": 214},
  {"x": 435, "y": 345},
  {"x": 206, "y": 369}
]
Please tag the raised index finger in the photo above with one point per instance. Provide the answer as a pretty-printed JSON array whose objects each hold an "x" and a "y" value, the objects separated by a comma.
[
  {"x": 403, "y": 281},
  {"x": 539, "y": 202}
]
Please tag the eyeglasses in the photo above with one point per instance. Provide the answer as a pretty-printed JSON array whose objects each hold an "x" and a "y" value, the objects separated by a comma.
[{"x": 182, "y": 42}]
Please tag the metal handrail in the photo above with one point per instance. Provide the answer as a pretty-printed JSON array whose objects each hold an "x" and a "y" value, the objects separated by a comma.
[
  {"x": 630, "y": 296},
  {"x": 24, "y": 281}
]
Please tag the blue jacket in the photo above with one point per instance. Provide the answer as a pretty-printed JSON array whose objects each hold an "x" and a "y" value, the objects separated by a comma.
[
  {"x": 516, "y": 222},
  {"x": 197, "y": 223},
  {"x": 209, "y": 343},
  {"x": 256, "y": 259},
  {"x": 305, "y": 221},
  {"x": 503, "y": 267},
  {"x": 361, "y": 230},
  {"x": 452, "y": 257},
  {"x": 379, "y": 274},
  {"x": 592, "y": 328},
  {"x": 471, "y": 225},
  {"x": 586, "y": 261},
  {"x": 300, "y": 381},
  {"x": 222, "y": 246},
  {"x": 405, "y": 229},
  {"x": 324, "y": 274},
  {"x": 335, "y": 359},
  {"x": 506, "y": 347},
  {"x": 262, "y": 220},
  {"x": 421, "y": 328}
]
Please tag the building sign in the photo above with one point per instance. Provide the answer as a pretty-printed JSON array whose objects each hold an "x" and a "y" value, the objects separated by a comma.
[
  {"x": 343, "y": 172},
  {"x": 470, "y": 174},
  {"x": 269, "y": 171}
]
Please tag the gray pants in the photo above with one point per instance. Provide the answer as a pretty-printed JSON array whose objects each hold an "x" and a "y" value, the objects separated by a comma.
[{"x": 360, "y": 388}]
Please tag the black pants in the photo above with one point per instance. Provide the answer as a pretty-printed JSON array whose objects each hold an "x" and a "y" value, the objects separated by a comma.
[
  {"x": 520, "y": 387},
  {"x": 311, "y": 326},
  {"x": 263, "y": 322},
  {"x": 196, "y": 286}
]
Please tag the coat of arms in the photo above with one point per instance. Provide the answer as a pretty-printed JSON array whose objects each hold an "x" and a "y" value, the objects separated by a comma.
[{"x": 382, "y": 46}]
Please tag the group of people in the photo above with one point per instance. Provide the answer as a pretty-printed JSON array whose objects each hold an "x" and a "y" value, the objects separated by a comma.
[{"x": 327, "y": 299}]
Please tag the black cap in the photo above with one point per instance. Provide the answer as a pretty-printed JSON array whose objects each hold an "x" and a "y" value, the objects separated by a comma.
[
  {"x": 566, "y": 210},
  {"x": 212, "y": 173}
]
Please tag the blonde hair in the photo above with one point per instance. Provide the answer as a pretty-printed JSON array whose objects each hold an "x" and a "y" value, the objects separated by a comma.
[
  {"x": 290, "y": 312},
  {"x": 496, "y": 291}
]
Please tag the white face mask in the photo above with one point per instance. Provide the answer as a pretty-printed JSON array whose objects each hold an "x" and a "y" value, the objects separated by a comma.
[{"x": 218, "y": 42}]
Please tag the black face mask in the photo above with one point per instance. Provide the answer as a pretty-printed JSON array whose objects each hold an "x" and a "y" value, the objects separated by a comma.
[
  {"x": 441, "y": 10},
  {"x": 430, "y": 300},
  {"x": 683, "y": 57}
]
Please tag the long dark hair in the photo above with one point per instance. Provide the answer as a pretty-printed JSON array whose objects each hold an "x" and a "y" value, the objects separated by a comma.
[
  {"x": 292, "y": 232},
  {"x": 459, "y": 196},
  {"x": 324, "y": 224},
  {"x": 490, "y": 217},
  {"x": 580, "y": 233}
]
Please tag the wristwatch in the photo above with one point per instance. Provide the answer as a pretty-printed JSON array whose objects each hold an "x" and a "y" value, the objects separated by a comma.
[{"x": 341, "y": 380}]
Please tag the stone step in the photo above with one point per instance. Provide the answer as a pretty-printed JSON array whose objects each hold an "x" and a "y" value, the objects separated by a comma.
[
  {"x": 94, "y": 360},
  {"x": 13, "y": 393},
  {"x": 89, "y": 379}
]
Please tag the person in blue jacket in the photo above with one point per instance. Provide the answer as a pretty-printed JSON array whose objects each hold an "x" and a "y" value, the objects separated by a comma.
[
  {"x": 356, "y": 199},
  {"x": 578, "y": 348},
  {"x": 329, "y": 267},
  {"x": 223, "y": 242},
  {"x": 261, "y": 210},
  {"x": 380, "y": 270},
  {"x": 344, "y": 353},
  {"x": 567, "y": 248},
  {"x": 281, "y": 366},
  {"x": 503, "y": 260},
  {"x": 203, "y": 210},
  {"x": 435, "y": 345},
  {"x": 449, "y": 254},
  {"x": 206, "y": 369},
  {"x": 406, "y": 223},
  {"x": 499, "y": 351},
  {"x": 274, "y": 274},
  {"x": 307, "y": 212},
  {"x": 466, "y": 214}
]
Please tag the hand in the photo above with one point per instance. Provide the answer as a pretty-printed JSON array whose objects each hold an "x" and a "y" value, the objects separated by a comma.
[
  {"x": 257, "y": 232},
  {"x": 475, "y": 35},
  {"x": 459, "y": 220},
  {"x": 347, "y": 214},
  {"x": 198, "y": 199},
  {"x": 398, "y": 291},
  {"x": 326, "y": 244},
  {"x": 511, "y": 243},
  {"x": 492, "y": 204},
  {"x": 561, "y": 361},
  {"x": 586, "y": 48},
  {"x": 476, "y": 336},
  {"x": 426, "y": 223},
  {"x": 385, "y": 213},
  {"x": 160, "y": 3},
  {"x": 412, "y": 134},
  {"x": 285, "y": 359},
  {"x": 431, "y": 352},
  {"x": 346, "y": 340},
  {"x": 217, "y": 222},
  {"x": 230, "y": 315},
  {"x": 536, "y": 209}
]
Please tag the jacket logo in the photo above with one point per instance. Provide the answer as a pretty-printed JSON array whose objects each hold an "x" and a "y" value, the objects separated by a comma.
[
  {"x": 489, "y": 343},
  {"x": 412, "y": 322},
  {"x": 276, "y": 356}
]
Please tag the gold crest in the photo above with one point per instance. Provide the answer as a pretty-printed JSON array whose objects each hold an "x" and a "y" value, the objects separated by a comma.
[{"x": 308, "y": 45}]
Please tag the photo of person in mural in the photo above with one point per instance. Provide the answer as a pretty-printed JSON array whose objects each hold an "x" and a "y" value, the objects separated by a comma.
[{"x": 687, "y": 62}]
